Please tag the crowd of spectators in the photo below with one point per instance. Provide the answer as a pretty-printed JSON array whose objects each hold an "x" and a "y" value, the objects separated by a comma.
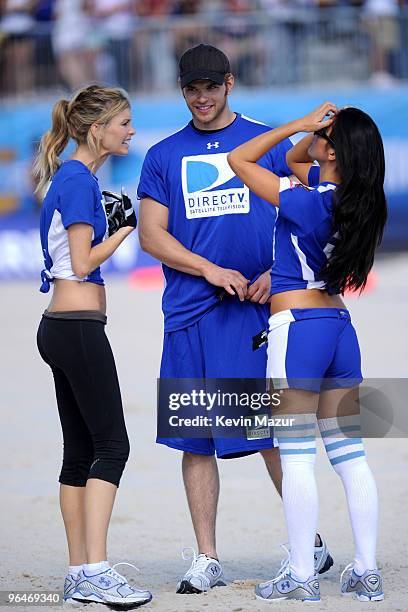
[{"x": 135, "y": 43}]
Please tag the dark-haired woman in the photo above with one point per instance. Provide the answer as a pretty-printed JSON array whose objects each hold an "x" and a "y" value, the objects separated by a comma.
[
  {"x": 71, "y": 336},
  {"x": 326, "y": 234}
]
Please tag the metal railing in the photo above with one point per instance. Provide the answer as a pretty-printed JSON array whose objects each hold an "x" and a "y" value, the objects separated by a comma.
[{"x": 267, "y": 49}]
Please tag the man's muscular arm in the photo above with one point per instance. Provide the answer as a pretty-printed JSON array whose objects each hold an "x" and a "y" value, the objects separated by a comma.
[{"x": 156, "y": 240}]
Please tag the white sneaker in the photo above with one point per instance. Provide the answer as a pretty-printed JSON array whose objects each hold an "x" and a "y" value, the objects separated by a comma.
[
  {"x": 367, "y": 587},
  {"x": 203, "y": 575},
  {"x": 69, "y": 589},
  {"x": 322, "y": 558},
  {"x": 284, "y": 586},
  {"x": 109, "y": 588}
]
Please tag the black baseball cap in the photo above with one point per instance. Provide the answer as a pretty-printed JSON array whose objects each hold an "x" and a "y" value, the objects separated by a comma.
[{"x": 203, "y": 62}]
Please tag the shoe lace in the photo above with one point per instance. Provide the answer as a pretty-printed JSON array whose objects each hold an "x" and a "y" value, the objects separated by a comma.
[
  {"x": 199, "y": 562},
  {"x": 112, "y": 571},
  {"x": 189, "y": 554},
  {"x": 284, "y": 569},
  {"x": 285, "y": 565},
  {"x": 348, "y": 568}
]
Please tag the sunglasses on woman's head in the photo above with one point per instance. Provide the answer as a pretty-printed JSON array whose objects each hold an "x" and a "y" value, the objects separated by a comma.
[{"x": 322, "y": 134}]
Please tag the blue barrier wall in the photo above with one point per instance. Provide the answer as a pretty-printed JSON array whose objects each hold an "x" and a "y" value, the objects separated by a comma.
[{"x": 156, "y": 117}]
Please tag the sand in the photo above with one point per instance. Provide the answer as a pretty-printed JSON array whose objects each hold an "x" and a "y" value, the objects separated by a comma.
[{"x": 151, "y": 523}]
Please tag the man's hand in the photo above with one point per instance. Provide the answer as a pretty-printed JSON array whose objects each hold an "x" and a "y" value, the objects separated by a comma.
[
  {"x": 259, "y": 291},
  {"x": 232, "y": 281}
]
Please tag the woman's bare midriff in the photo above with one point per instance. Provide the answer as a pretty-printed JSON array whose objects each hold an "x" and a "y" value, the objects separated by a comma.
[
  {"x": 76, "y": 295},
  {"x": 304, "y": 298}
]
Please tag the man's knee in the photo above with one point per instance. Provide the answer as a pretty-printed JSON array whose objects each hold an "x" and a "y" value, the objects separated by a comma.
[
  {"x": 190, "y": 457},
  {"x": 192, "y": 462}
]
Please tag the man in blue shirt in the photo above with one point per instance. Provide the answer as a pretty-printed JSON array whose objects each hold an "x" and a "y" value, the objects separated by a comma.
[{"x": 215, "y": 240}]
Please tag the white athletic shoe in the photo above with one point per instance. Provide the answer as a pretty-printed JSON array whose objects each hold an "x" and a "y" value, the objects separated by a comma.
[
  {"x": 111, "y": 589},
  {"x": 367, "y": 587},
  {"x": 322, "y": 558},
  {"x": 69, "y": 589},
  {"x": 203, "y": 575},
  {"x": 284, "y": 586}
]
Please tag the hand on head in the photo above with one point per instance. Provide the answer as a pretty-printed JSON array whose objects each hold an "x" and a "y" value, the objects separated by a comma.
[{"x": 320, "y": 118}]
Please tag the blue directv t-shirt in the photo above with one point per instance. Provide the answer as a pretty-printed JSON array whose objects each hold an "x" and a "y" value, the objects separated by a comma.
[
  {"x": 304, "y": 236},
  {"x": 211, "y": 212},
  {"x": 72, "y": 197}
]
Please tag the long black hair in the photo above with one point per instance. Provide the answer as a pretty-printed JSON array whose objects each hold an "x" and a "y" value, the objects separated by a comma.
[{"x": 359, "y": 204}]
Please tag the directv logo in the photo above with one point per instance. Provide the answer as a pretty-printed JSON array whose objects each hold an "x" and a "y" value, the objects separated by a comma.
[{"x": 210, "y": 187}]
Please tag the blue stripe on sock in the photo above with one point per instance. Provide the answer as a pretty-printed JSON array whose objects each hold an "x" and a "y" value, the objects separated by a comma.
[
  {"x": 297, "y": 451},
  {"x": 347, "y": 457},
  {"x": 337, "y": 430},
  {"x": 286, "y": 440},
  {"x": 347, "y": 442}
]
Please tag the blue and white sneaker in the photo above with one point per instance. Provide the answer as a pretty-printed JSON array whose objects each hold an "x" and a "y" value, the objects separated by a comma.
[
  {"x": 284, "y": 586},
  {"x": 69, "y": 589},
  {"x": 111, "y": 589},
  {"x": 204, "y": 574},
  {"x": 367, "y": 587},
  {"x": 322, "y": 557}
]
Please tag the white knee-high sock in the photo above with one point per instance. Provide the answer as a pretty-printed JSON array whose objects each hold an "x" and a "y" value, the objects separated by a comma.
[
  {"x": 348, "y": 459},
  {"x": 299, "y": 495}
]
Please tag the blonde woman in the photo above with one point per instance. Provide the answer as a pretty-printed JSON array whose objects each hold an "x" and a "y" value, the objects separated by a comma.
[{"x": 71, "y": 337}]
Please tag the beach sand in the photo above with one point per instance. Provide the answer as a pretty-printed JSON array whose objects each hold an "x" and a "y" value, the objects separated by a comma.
[{"x": 151, "y": 524}]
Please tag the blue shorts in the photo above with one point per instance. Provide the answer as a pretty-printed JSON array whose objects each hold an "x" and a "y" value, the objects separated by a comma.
[
  {"x": 219, "y": 345},
  {"x": 313, "y": 349}
]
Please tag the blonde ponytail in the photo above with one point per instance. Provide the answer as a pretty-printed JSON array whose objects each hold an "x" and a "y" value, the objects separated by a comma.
[
  {"x": 51, "y": 146},
  {"x": 89, "y": 105}
]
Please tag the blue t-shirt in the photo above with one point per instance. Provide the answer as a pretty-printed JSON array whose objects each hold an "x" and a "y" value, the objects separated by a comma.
[
  {"x": 304, "y": 236},
  {"x": 211, "y": 212},
  {"x": 72, "y": 197}
]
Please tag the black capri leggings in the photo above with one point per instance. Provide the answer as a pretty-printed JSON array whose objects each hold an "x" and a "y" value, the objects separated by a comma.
[{"x": 96, "y": 444}]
